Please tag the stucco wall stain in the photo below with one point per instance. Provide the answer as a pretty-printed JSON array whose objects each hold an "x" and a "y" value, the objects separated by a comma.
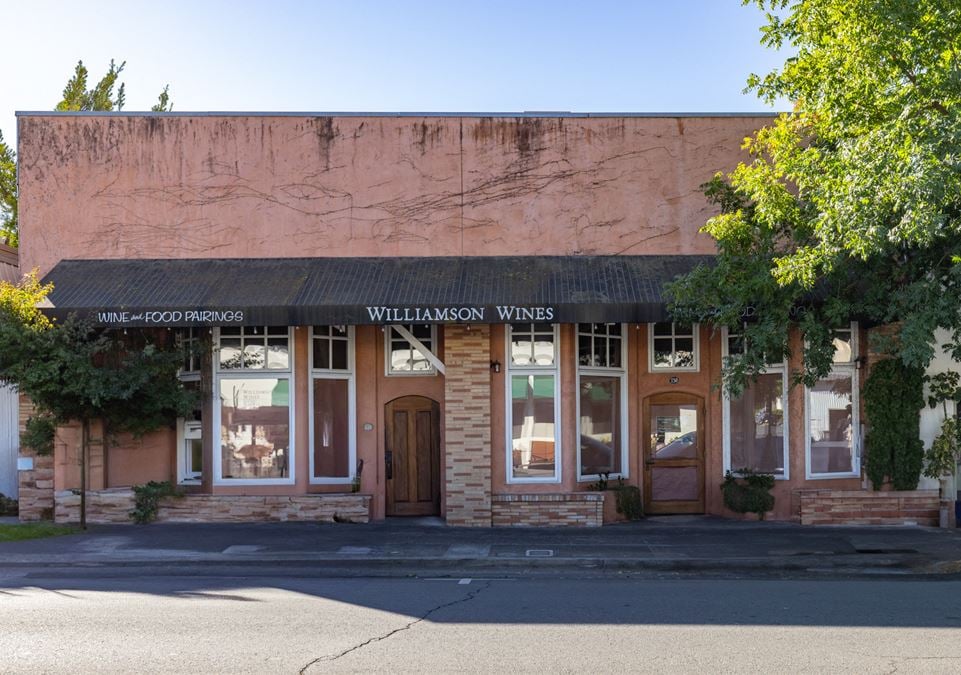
[
  {"x": 321, "y": 186},
  {"x": 326, "y": 134}
]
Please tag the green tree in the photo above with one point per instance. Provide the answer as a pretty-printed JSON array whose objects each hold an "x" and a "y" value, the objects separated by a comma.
[
  {"x": 851, "y": 204},
  {"x": 8, "y": 194},
  {"x": 75, "y": 372},
  {"x": 76, "y": 97}
]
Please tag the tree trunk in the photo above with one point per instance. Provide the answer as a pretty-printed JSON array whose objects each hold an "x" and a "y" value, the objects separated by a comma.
[{"x": 84, "y": 443}]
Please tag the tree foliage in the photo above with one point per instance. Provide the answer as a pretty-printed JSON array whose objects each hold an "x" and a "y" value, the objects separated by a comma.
[
  {"x": 851, "y": 204},
  {"x": 74, "y": 372},
  {"x": 8, "y": 194},
  {"x": 77, "y": 96}
]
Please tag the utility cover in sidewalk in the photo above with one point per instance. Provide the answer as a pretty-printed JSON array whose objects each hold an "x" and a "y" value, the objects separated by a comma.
[{"x": 540, "y": 553}]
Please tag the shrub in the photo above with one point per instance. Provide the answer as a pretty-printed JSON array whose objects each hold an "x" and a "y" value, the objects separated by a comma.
[
  {"x": 147, "y": 499},
  {"x": 893, "y": 398},
  {"x": 748, "y": 492}
]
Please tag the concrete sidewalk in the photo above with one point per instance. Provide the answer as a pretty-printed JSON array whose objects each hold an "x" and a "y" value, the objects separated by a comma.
[{"x": 682, "y": 544}]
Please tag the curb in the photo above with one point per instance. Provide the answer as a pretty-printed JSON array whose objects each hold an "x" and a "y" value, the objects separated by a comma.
[{"x": 872, "y": 566}]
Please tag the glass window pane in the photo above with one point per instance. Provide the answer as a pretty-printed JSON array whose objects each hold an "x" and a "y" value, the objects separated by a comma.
[
  {"x": 599, "y": 357},
  {"x": 544, "y": 352},
  {"x": 613, "y": 329},
  {"x": 683, "y": 329},
  {"x": 520, "y": 351},
  {"x": 532, "y": 426},
  {"x": 255, "y": 355},
  {"x": 230, "y": 353},
  {"x": 735, "y": 345},
  {"x": 230, "y": 331},
  {"x": 663, "y": 351},
  {"x": 277, "y": 330},
  {"x": 683, "y": 352},
  {"x": 614, "y": 352},
  {"x": 278, "y": 353},
  {"x": 757, "y": 426},
  {"x": 195, "y": 456},
  {"x": 400, "y": 357},
  {"x": 843, "y": 352},
  {"x": 418, "y": 361},
  {"x": 600, "y": 417},
  {"x": 331, "y": 429},
  {"x": 422, "y": 332},
  {"x": 339, "y": 354},
  {"x": 662, "y": 328},
  {"x": 322, "y": 354},
  {"x": 542, "y": 328},
  {"x": 584, "y": 355},
  {"x": 253, "y": 331},
  {"x": 255, "y": 427},
  {"x": 338, "y": 331},
  {"x": 673, "y": 431},
  {"x": 830, "y": 425}
]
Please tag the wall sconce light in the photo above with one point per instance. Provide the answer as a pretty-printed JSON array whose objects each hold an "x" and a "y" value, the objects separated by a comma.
[{"x": 496, "y": 366}]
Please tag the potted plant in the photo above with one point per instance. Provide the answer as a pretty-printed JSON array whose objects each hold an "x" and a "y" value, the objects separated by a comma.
[{"x": 941, "y": 459}]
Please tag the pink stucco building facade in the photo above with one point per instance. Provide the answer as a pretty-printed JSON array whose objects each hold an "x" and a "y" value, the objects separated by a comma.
[{"x": 446, "y": 315}]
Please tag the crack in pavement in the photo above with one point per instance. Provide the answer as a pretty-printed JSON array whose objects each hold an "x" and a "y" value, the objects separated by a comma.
[{"x": 377, "y": 638}]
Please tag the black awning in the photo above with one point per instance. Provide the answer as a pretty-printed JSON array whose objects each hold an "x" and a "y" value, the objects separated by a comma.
[{"x": 305, "y": 291}]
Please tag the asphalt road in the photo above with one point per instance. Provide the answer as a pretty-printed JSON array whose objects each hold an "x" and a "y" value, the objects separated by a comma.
[{"x": 288, "y": 624}]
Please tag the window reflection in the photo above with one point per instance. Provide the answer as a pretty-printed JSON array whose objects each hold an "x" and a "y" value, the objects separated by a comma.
[
  {"x": 255, "y": 427},
  {"x": 757, "y": 426},
  {"x": 600, "y": 407},
  {"x": 532, "y": 430},
  {"x": 831, "y": 425}
]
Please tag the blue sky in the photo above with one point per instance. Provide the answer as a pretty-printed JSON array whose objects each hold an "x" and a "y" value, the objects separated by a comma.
[{"x": 641, "y": 56}]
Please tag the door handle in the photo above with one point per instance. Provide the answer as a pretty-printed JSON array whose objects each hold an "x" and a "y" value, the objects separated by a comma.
[{"x": 389, "y": 463}]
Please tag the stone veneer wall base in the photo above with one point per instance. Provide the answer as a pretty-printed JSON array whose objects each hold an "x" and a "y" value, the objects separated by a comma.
[
  {"x": 855, "y": 507},
  {"x": 114, "y": 506},
  {"x": 35, "y": 485},
  {"x": 572, "y": 509}
]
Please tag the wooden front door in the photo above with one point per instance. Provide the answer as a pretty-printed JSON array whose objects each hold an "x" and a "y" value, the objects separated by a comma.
[
  {"x": 674, "y": 454},
  {"x": 413, "y": 457}
]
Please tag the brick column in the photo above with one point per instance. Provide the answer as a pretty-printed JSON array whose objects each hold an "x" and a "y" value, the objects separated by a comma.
[
  {"x": 36, "y": 485},
  {"x": 467, "y": 424}
]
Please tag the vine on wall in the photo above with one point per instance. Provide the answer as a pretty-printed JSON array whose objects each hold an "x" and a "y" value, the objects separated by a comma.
[{"x": 893, "y": 399}]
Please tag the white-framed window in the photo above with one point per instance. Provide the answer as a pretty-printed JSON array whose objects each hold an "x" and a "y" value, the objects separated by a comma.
[
  {"x": 533, "y": 403},
  {"x": 190, "y": 438},
  {"x": 756, "y": 423},
  {"x": 333, "y": 421},
  {"x": 408, "y": 354},
  {"x": 831, "y": 418},
  {"x": 673, "y": 346},
  {"x": 601, "y": 400},
  {"x": 190, "y": 429},
  {"x": 254, "y": 406}
]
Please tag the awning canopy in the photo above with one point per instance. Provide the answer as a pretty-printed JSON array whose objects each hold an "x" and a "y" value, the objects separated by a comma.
[{"x": 347, "y": 291}]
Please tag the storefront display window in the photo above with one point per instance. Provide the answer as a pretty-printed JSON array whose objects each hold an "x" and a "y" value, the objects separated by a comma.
[
  {"x": 831, "y": 417},
  {"x": 254, "y": 408},
  {"x": 601, "y": 401},
  {"x": 533, "y": 413},
  {"x": 755, "y": 423}
]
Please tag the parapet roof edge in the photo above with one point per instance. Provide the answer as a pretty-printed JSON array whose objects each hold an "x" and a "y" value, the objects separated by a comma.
[{"x": 533, "y": 113}]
